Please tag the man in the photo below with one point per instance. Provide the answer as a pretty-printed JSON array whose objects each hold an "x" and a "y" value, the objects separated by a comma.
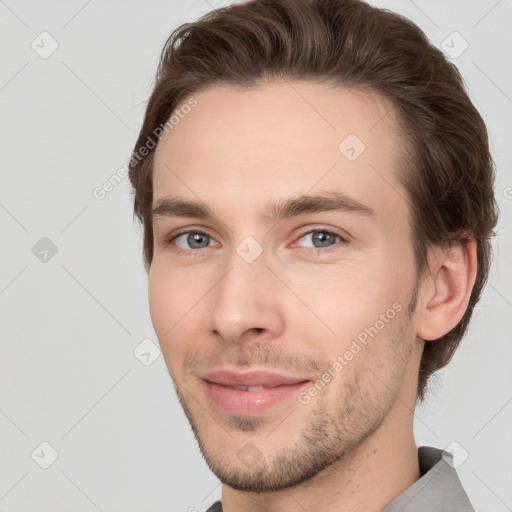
[{"x": 317, "y": 215}]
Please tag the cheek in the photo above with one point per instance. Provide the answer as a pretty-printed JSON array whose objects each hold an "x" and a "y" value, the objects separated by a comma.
[
  {"x": 157, "y": 297},
  {"x": 164, "y": 294},
  {"x": 336, "y": 294},
  {"x": 338, "y": 304},
  {"x": 175, "y": 304},
  {"x": 166, "y": 309}
]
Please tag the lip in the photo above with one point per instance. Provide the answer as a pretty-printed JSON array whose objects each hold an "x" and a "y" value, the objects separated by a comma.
[
  {"x": 277, "y": 388},
  {"x": 227, "y": 377}
]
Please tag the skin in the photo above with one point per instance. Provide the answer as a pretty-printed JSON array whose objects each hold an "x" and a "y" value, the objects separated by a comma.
[{"x": 295, "y": 308}]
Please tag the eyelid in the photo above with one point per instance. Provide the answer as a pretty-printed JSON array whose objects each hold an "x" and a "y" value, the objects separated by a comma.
[{"x": 169, "y": 239}]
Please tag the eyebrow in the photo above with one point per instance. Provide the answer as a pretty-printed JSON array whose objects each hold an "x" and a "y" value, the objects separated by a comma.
[{"x": 274, "y": 211}]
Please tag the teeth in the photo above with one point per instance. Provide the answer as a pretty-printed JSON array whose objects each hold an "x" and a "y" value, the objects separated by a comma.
[{"x": 248, "y": 388}]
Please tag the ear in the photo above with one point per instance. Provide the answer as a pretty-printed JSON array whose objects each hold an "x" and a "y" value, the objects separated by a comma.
[{"x": 448, "y": 289}]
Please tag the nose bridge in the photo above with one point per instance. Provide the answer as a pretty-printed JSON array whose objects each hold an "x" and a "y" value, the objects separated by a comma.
[{"x": 246, "y": 296}]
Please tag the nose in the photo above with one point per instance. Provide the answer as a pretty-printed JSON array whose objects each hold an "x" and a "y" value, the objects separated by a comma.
[{"x": 247, "y": 302}]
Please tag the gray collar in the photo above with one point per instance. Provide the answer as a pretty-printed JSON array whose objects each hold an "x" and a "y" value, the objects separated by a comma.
[{"x": 439, "y": 488}]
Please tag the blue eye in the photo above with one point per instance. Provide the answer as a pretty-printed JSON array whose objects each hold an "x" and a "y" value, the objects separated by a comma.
[
  {"x": 324, "y": 237},
  {"x": 195, "y": 240}
]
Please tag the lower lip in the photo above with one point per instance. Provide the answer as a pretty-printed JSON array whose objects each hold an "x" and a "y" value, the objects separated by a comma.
[{"x": 234, "y": 401}]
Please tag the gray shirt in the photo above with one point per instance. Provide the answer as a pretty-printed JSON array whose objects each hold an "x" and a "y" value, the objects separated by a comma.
[{"x": 439, "y": 488}]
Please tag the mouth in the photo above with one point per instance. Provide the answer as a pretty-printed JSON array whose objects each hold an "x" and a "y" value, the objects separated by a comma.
[{"x": 252, "y": 392}]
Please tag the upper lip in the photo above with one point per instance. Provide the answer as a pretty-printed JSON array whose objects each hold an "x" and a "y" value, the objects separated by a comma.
[{"x": 253, "y": 378}]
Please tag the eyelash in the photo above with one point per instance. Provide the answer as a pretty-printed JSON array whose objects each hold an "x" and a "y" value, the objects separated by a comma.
[{"x": 194, "y": 252}]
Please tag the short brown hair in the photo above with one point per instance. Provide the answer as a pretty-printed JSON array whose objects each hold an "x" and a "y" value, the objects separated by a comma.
[{"x": 447, "y": 169}]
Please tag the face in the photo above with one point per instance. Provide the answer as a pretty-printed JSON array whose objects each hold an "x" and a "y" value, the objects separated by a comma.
[{"x": 315, "y": 293}]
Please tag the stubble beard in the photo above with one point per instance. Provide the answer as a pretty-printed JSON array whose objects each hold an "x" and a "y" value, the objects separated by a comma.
[{"x": 330, "y": 434}]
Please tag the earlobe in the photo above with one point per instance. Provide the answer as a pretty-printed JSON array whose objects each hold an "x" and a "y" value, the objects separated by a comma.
[{"x": 453, "y": 280}]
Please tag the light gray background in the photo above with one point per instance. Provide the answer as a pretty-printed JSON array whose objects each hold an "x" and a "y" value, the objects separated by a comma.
[{"x": 69, "y": 325}]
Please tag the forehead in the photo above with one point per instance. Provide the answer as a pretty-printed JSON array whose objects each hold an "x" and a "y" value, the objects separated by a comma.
[{"x": 239, "y": 147}]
